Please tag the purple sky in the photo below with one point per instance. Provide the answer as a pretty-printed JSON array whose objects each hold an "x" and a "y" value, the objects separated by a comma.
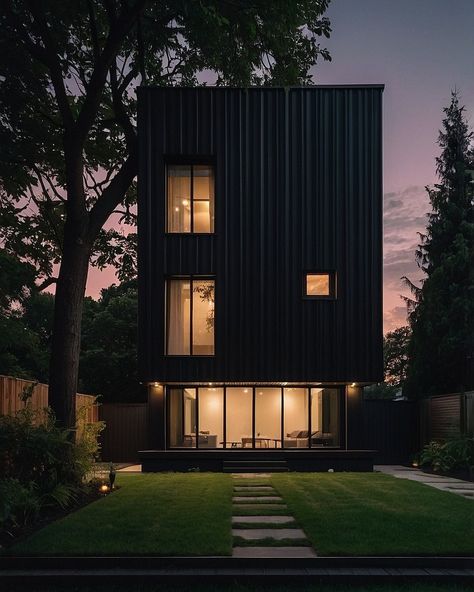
[{"x": 420, "y": 49}]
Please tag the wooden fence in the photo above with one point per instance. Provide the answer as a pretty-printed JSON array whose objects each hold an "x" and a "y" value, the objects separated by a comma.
[
  {"x": 446, "y": 416},
  {"x": 12, "y": 389},
  {"x": 126, "y": 431}
]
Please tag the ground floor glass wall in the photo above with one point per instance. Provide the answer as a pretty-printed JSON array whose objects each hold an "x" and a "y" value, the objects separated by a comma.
[{"x": 254, "y": 417}]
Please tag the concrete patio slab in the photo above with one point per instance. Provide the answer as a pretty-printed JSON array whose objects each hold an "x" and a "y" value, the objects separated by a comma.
[
  {"x": 131, "y": 469},
  {"x": 262, "y": 519},
  {"x": 251, "y": 534},
  {"x": 277, "y": 552},
  {"x": 441, "y": 482}
]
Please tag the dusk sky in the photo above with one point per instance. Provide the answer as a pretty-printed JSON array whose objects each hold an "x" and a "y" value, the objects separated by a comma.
[{"x": 420, "y": 50}]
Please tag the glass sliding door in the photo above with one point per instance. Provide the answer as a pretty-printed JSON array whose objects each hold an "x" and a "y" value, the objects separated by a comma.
[
  {"x": 325, "y": 417},
  {"x": 295, "y": 426},
  {"x": 267, "y": 417},
  {"x": 239, "y": 414},
  {"x": 182, "y": 417},
  {"x": 254, "y": 417},
  {"x": 211, "y": 417}
]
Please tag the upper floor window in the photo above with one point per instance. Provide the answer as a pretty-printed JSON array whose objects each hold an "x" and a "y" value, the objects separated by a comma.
[
  {"x": 190, "y": 317},
  {"x": 190, "y": 198},
  {"x": 320, "y": 285}
]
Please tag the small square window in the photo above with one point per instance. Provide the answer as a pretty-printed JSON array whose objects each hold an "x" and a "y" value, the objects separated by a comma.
[{"x": 320, "y": 285}]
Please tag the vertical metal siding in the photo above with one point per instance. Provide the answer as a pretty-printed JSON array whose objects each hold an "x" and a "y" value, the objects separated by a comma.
[{"x": 298, "y": 188}]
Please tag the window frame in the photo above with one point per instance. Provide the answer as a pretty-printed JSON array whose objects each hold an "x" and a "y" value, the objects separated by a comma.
[
  {"x": 189, "y": 162},
  {"x": 341, "y": 389},
  {"x": 332, "y": 285},
  {"x": 190, "y": 279}
]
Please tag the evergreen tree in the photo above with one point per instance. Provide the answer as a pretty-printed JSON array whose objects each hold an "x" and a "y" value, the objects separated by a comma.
[{"x": 441, "y": 313}]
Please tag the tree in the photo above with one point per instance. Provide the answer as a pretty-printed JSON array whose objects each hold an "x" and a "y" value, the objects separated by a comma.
[
  {"x": 441, "y": 314},
  {"x": 67, "y": 133},
  {"x": 22, "y": 349},
  {"x": 395, "y": 355},
  {"x": 108, "y": 365}
]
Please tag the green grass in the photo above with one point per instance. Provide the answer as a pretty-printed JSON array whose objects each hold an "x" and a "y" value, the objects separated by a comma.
[
  {"x": 374, "y": 514},
  {"x": 157, "y": 514}
]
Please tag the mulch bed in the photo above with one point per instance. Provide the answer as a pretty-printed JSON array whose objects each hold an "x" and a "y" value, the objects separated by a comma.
[{"x": 15, "y": 534}]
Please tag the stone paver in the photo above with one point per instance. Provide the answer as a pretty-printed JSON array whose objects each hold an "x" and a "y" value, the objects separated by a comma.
[
  {"x": 257, "y": 488},
  {"x": 264, "y": 552},
  {"x": 262, "y": 498},
  {"x": 262, "y": 519},
  {"x": 283, "y": 526},
  {"x": 278, "y": 534},
  {"x": 449, "y": 484}
]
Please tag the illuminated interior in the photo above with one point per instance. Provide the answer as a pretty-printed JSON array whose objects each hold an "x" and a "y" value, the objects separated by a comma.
[
  {"x": 253, "y": 417},
  {"x": 190, "y": 190},
  {"x": 190, "y": 317},
  {"x": 318, "y": 284}
]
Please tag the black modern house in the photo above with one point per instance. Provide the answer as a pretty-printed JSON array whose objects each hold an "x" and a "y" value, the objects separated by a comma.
[{"x": 260, "y": 274}]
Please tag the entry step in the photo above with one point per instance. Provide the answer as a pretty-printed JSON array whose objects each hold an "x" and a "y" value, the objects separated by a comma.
[{"x": 254, "y": 466}]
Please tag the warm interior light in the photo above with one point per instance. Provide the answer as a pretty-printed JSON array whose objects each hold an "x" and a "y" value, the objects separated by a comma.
[
  {"x": 156, "y": 384},
  {"x": 176, "y": 209},
  {"x": 185, "y": 202},
  {"x": 246, "y": 390},
  {"x": 353, "y": 384}
]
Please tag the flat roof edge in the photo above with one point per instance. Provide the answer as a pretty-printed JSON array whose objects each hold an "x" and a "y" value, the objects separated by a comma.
[{"x": 308, "y": 87}]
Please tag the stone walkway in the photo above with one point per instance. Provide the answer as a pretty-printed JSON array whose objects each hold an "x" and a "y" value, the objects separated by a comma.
[
  {"x": 262, "y": 526},
  {"x": 456, "y": 486}
]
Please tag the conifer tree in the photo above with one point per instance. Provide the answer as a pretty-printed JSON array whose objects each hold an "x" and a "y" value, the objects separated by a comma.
[{"x": 441, "y": 312}]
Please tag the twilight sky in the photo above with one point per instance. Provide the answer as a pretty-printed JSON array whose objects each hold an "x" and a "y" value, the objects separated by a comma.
[{"x": 420, "y": 50}]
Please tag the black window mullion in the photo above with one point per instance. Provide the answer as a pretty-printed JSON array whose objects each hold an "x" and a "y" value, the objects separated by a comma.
[
  {"x": 191, "y": 303},
  {"x": 224, "y": 430},
  {"x": 253, "y": 417},
  {"x": 282, "y": 419},
  {"x": 192, "y": 199},
  {"x": 196, "y": 390},
  {"x": 310, "y": 429}
]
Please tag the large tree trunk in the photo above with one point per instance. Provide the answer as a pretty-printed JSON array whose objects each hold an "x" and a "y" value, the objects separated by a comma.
[{"x": 66, "y": 339}]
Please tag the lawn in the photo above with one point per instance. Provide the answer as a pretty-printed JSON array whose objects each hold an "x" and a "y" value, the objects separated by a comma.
[
  {"x": 159, "y": 514},
  {"x": 190, "y": 514},
  {"x": 374, "y": 514}
]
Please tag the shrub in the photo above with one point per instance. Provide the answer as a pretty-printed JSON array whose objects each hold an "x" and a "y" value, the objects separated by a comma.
[
  {"x": 457, "y": 453},
  {"x": 41, "y": 465}
]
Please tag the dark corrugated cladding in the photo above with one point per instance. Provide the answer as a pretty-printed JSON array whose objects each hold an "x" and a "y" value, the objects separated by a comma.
[{"x": 298, "y": 188}]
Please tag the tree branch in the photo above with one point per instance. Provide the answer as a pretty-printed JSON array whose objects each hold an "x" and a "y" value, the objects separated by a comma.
[
  {"x": 114, "y": 193},
  {"x": 119, "y": 29}
]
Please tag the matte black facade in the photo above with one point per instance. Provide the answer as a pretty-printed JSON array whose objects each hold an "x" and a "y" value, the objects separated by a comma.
[{"x": 298, "y": 188}]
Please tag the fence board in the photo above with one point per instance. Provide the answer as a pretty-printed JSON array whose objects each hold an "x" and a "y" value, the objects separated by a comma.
[
  {"x": 126, "y": 431},
  {"x": 12, "y": 388}
]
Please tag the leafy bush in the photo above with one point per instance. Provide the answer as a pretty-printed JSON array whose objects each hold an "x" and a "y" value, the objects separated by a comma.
[
  {"x": 41, "y": 465},
  {"x": 457, "y": 453}
]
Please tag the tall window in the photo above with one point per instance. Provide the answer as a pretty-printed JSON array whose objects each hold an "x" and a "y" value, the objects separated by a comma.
[
  {"x": 190, "y": 317},
  {"x": 190, "y": 190}
]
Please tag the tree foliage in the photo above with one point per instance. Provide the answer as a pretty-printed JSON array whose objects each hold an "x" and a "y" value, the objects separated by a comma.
[
  {"x": 108, "y": 364},
  {"x": 395, "y": 355},
  {"x": 68, "y": 104},
  {"x": 441, "y": 313}
]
